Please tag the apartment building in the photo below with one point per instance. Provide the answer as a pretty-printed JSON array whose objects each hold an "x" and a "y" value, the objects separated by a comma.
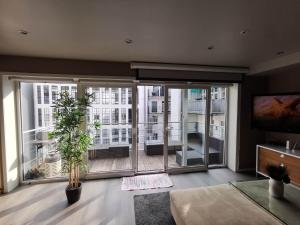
[{"x": 112, "y": 107}]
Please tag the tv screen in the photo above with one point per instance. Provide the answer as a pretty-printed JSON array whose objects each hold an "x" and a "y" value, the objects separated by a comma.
[{"x": 277, "y": 113}]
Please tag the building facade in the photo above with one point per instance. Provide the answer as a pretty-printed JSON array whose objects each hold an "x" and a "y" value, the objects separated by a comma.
[{"x": 112, "y": 107}]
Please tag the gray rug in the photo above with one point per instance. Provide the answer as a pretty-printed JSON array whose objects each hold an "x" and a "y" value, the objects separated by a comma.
[{"x": 153, "y": 209}]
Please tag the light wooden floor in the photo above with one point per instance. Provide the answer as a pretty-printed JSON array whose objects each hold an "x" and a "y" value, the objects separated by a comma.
[
  {"x": 145, "y": 163},
  {"x": 102, "y": 201}
]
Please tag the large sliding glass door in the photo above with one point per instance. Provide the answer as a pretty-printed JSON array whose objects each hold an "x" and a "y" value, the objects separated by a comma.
[
  {"x": 186, "y": 127},
  {"x": 144, "y": 127}
]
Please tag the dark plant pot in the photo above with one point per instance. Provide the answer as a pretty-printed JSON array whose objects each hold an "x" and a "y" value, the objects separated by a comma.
[{"x": 73, "y": 194}]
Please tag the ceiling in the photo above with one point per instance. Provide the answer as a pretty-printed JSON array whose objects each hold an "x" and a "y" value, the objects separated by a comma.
[{"x": 168, "y": 31}]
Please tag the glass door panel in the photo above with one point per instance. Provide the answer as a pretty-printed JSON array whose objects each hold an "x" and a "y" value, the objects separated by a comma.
[
  {"x": 40, "y": 158},
  {"x": 186, "y": 127},
  {"x": 112, "y": 143},
  {"x": 217, "y": 128},
  {"x": 150, "y": 111}
]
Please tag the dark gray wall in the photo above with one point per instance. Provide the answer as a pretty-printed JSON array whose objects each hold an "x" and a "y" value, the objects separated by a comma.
[
  {"x": 64, "y": 66},
  {"x": 249, "y": 137},
  {"x": 283, "y": 80},
  {"x": 284, "y": 83}
]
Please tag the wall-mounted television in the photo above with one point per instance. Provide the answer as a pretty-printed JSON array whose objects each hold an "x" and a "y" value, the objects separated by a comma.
[{"x": 277, "y": 112}]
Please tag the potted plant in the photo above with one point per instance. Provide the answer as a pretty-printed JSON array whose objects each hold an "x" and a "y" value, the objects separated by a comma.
[
  {"x": 278, "y": 175},
  {"x": 71, "y": 137}
]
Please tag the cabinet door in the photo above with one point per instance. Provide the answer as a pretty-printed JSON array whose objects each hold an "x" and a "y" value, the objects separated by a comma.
[
  {"x": 266, "y": 157},
  {"x": 293, "y": 167}
]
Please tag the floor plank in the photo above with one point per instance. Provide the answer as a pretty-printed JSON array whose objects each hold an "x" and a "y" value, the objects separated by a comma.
[{"x": 102, "y": 201}]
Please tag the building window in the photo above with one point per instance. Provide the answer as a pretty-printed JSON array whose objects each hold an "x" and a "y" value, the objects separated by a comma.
[
  {"x": 123, "y": 116},
  {"x": 73, "y": 92},
  {"x": 162, "y": 91},
  {"x": 162, "y": 106},
  {"x": 149, "y": 129},
  {"x": 223, "y": 93},
  {"x": 115, "y": 116},
  {"x": 64, "y": 89},
  {"x": 155, "y": 136},
  {"x": 155, "y": 91},
  {"x": 54, "y": 93},
  {"x": 154, "y": 106},
  {"x": 153, "y": 119},
  {"x": 39, "y": 94},
  {"x": 40, "y": 120},
  {"x": 96, "y": 115},
  {"x": 88, "y": 116},
  {"x": 129, "y": 116},
  {"x": 106, "y": 116},
  {"x": 54, "y": 111},
  {"x": 105, "y": 96},
  {"x": 105, "y": 137},
  {"x": 123, "y": 135},
  {"x": 97, "y": 137},
  {"x": 46, "y": 94},
  {"x": 123, "y": 96},
  {"x": 115, "y": 135},
  {"x": 129, "y": 96},
  {"x": 115, "y": 96},
  {"x": 222, "y": 123},
  {"x": 129, "y": 136},
  {"x": 96, "y": 93},
  {"x": 47, "y": 116}
]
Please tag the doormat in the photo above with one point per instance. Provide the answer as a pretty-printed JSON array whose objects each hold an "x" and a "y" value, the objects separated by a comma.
[{"x": 143, "y": 182}]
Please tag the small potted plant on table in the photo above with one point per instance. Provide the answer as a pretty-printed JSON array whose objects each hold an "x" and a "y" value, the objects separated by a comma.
[
  {"x": 72, "y": 138},
  {"x": 278, "y": 176}
]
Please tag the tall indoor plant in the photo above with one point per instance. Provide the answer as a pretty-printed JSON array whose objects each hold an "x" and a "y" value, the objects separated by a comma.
[{"x": 72, "y": 138}]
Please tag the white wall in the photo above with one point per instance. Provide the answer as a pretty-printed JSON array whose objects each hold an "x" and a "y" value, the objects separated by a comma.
[
  {"x": 9, "y": 143},
  {"x": 233, "y": 126}
]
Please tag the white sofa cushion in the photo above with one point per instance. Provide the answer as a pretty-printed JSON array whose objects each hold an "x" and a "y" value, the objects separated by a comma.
[{"x": 217, "y": 205}]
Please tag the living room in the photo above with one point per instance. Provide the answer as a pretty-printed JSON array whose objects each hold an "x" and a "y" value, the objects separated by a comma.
[{"x": 128, "y": 107}]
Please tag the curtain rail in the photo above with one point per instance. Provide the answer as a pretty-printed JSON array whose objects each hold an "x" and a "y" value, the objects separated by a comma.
[{"x": 68, "y": 78}]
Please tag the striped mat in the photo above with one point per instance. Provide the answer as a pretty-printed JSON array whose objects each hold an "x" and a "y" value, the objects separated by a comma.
[{"x": 143, "y": 182}]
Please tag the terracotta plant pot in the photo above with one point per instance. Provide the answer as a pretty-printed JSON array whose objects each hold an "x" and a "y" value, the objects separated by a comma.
[
  {"x": 276, "y": 188},
  {"x": 73, "y": 194}
]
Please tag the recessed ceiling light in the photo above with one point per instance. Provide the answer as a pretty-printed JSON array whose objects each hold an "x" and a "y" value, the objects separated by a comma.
[
  {"x": 243, "y": 32},
  {"x": 128, "y": 41},
  {"x": 280, "y": 53},
  {"x": 211, "y": 47},
  {"x": 23, "y": 32}
]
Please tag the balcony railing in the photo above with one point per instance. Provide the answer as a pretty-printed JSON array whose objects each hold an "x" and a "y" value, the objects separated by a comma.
[
  {"x": 40, "y": 158},
  {"x": 199, "y": 106},
  {"x": 218, "y": 105}
]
